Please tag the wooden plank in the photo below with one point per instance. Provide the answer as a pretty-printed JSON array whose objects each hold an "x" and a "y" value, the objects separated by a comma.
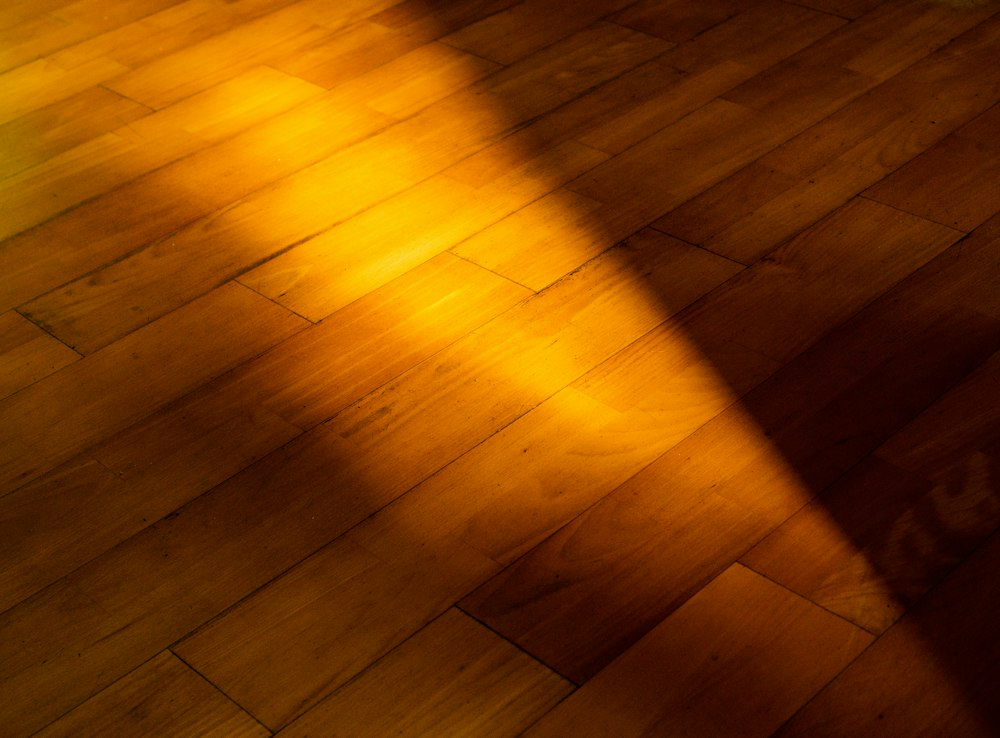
[
  {"x": 739, "y": 658},
  {"x": 574, "y": 225},
  {"x": 844, "y": 8},
  {"x": 175, "y": 575},
  {"x": 512, "y": 34},
  {"x": 933, "y": 673},
  {"x": 755, "y": 209},
  {"x": 281, "y": 509},
  {"x": 403, "y": 231},
  {"x": 676, "y": 20},
  {"x": 31, "y": 139},
  {"x": 873, "y": 544},
  {"x": 951, "y": 431},
  {"x": 638, "y": 553},
  {"x": 453, "y": 677},
  {"x": 409, "y": 14},
  {"x": 161, "y": 696},
  {"x": 37, "y": 37},
  {"x": 168, "y": 79},
  {"x": 53, "y": 419},
  {"x": 19, "y": 11},
  {"x": 955, "y": 182},
  {"x": 40, "y": 83},
  {"x": 83, "y": 172},
  {"x": 202, "y": 439},
  {"x": 318, "y": 197},
  {"x": 332, "y": 631},
  {"x": 350, "y": 52},
  {"x": 553, "y": 462},
  {"x": 27, "y": 353},
  {"x": 42, "y": 259},
  {"x": 106, "y": 162},
  {"x": 415, "y": 80},
  {"x": 762, "y": 35},
  {"x": 877, "y": 541},
  {"x": 891, "y": 37},
  {"x": 181, "y": 25}
]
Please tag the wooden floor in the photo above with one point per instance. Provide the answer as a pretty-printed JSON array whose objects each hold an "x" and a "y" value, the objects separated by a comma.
[{"x": 488, "y": 367}]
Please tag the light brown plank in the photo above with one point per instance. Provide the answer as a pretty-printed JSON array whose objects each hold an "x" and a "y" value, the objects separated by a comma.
[
  {"x": 103, "y": 163},
  {"x": 550, "y": 464},
  {"x": 42, "y": 259},
  {"x": 405, "y": 230},
  {"x": 162, "y": 696},
  {"x": 27, "y": 353},
  {"x": 454, "y": 677},
  {"x": 738, "y": 658},
  {"x": 207, "y": 436},
  {"x": 39, "y": 35},
  {"x": 494, "y": 378},
  {"x": 31, "y": 139},
  {"x": 639, "y": 552},
  {"x": 43, "y": 82},
  {"x": 59, "y": 416},
  {"x": 167, "y": 79},
  {"x": 953, "y": 183},
  {"x": 933, "y": 673},
  {"x": 332, "y": 631},
  {"x": 755, "y": 209},
  {"x": 528, "y": 26}
]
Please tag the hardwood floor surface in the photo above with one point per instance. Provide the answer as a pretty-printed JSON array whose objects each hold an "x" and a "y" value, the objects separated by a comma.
[{"x": 499, "y": 367}]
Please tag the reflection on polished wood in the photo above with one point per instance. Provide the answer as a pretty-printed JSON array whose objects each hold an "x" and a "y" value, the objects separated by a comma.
[{"x": 488, "y": 367}]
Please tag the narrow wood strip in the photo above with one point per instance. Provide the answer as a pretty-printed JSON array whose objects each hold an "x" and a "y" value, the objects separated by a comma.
[
  {"x": 955, "y": 182},
  {"x": 161, "y": 696},
  {"x": 933, "y": 673},
  {"x": 31, "y": 139},
  {"x": 738, "y": 658},
  {"x": 57, "y": 417},
  {"x": 642, "y": 550},
  {"x": 27, "y": 353},
  {"x": 749, "y": 213},
  {"x": 452, "y": 677}
]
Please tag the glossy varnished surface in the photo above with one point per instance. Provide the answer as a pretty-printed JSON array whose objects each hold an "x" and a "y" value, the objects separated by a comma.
[{"x": 490, "y": 367}]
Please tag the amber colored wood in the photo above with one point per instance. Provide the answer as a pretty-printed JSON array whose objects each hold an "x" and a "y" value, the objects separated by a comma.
[
  {"x": 41, "y": 259},
  {"x": 162, "y": 696},
  {"x": 32, "y": 86},
  {"x": 205, "y": 437},
  {"x": 636, "y": 553},
  {"x": 933, "y": 673},
  {"x": 110, "y": 390},
  {"x": 738, "y": 658},
  {"x": 46, "y": 132},
  {"x": 350, "y": 609},
  {"x": 454, "y": 677},
  {"x": 27, "y": 353},
  {"x": 413, "y": 226},
  {"x": 515, "y": 32},
  {"x": 955, "y": 182},
  {"x": 475, "y": 367},
  {"x": 52, "y": 28},
  {"x": 752, "y": 211},
  {"x": 677, "y": 21},
  {"x": 393, "y": 418}
]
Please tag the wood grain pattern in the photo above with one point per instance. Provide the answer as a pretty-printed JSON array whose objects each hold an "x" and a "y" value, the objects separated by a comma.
[
  {"x": 497, "y": 367},
  {"x": 749, "y": 213},
  {"x": 161, "y": 696},
  {"x": 740, "y": 641},
  {"x": 933, "y": 673},
  {"x": 147, "y": 370},
  {"x": 27, "y": 353},
  {"x": 454, "y": 677}
]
